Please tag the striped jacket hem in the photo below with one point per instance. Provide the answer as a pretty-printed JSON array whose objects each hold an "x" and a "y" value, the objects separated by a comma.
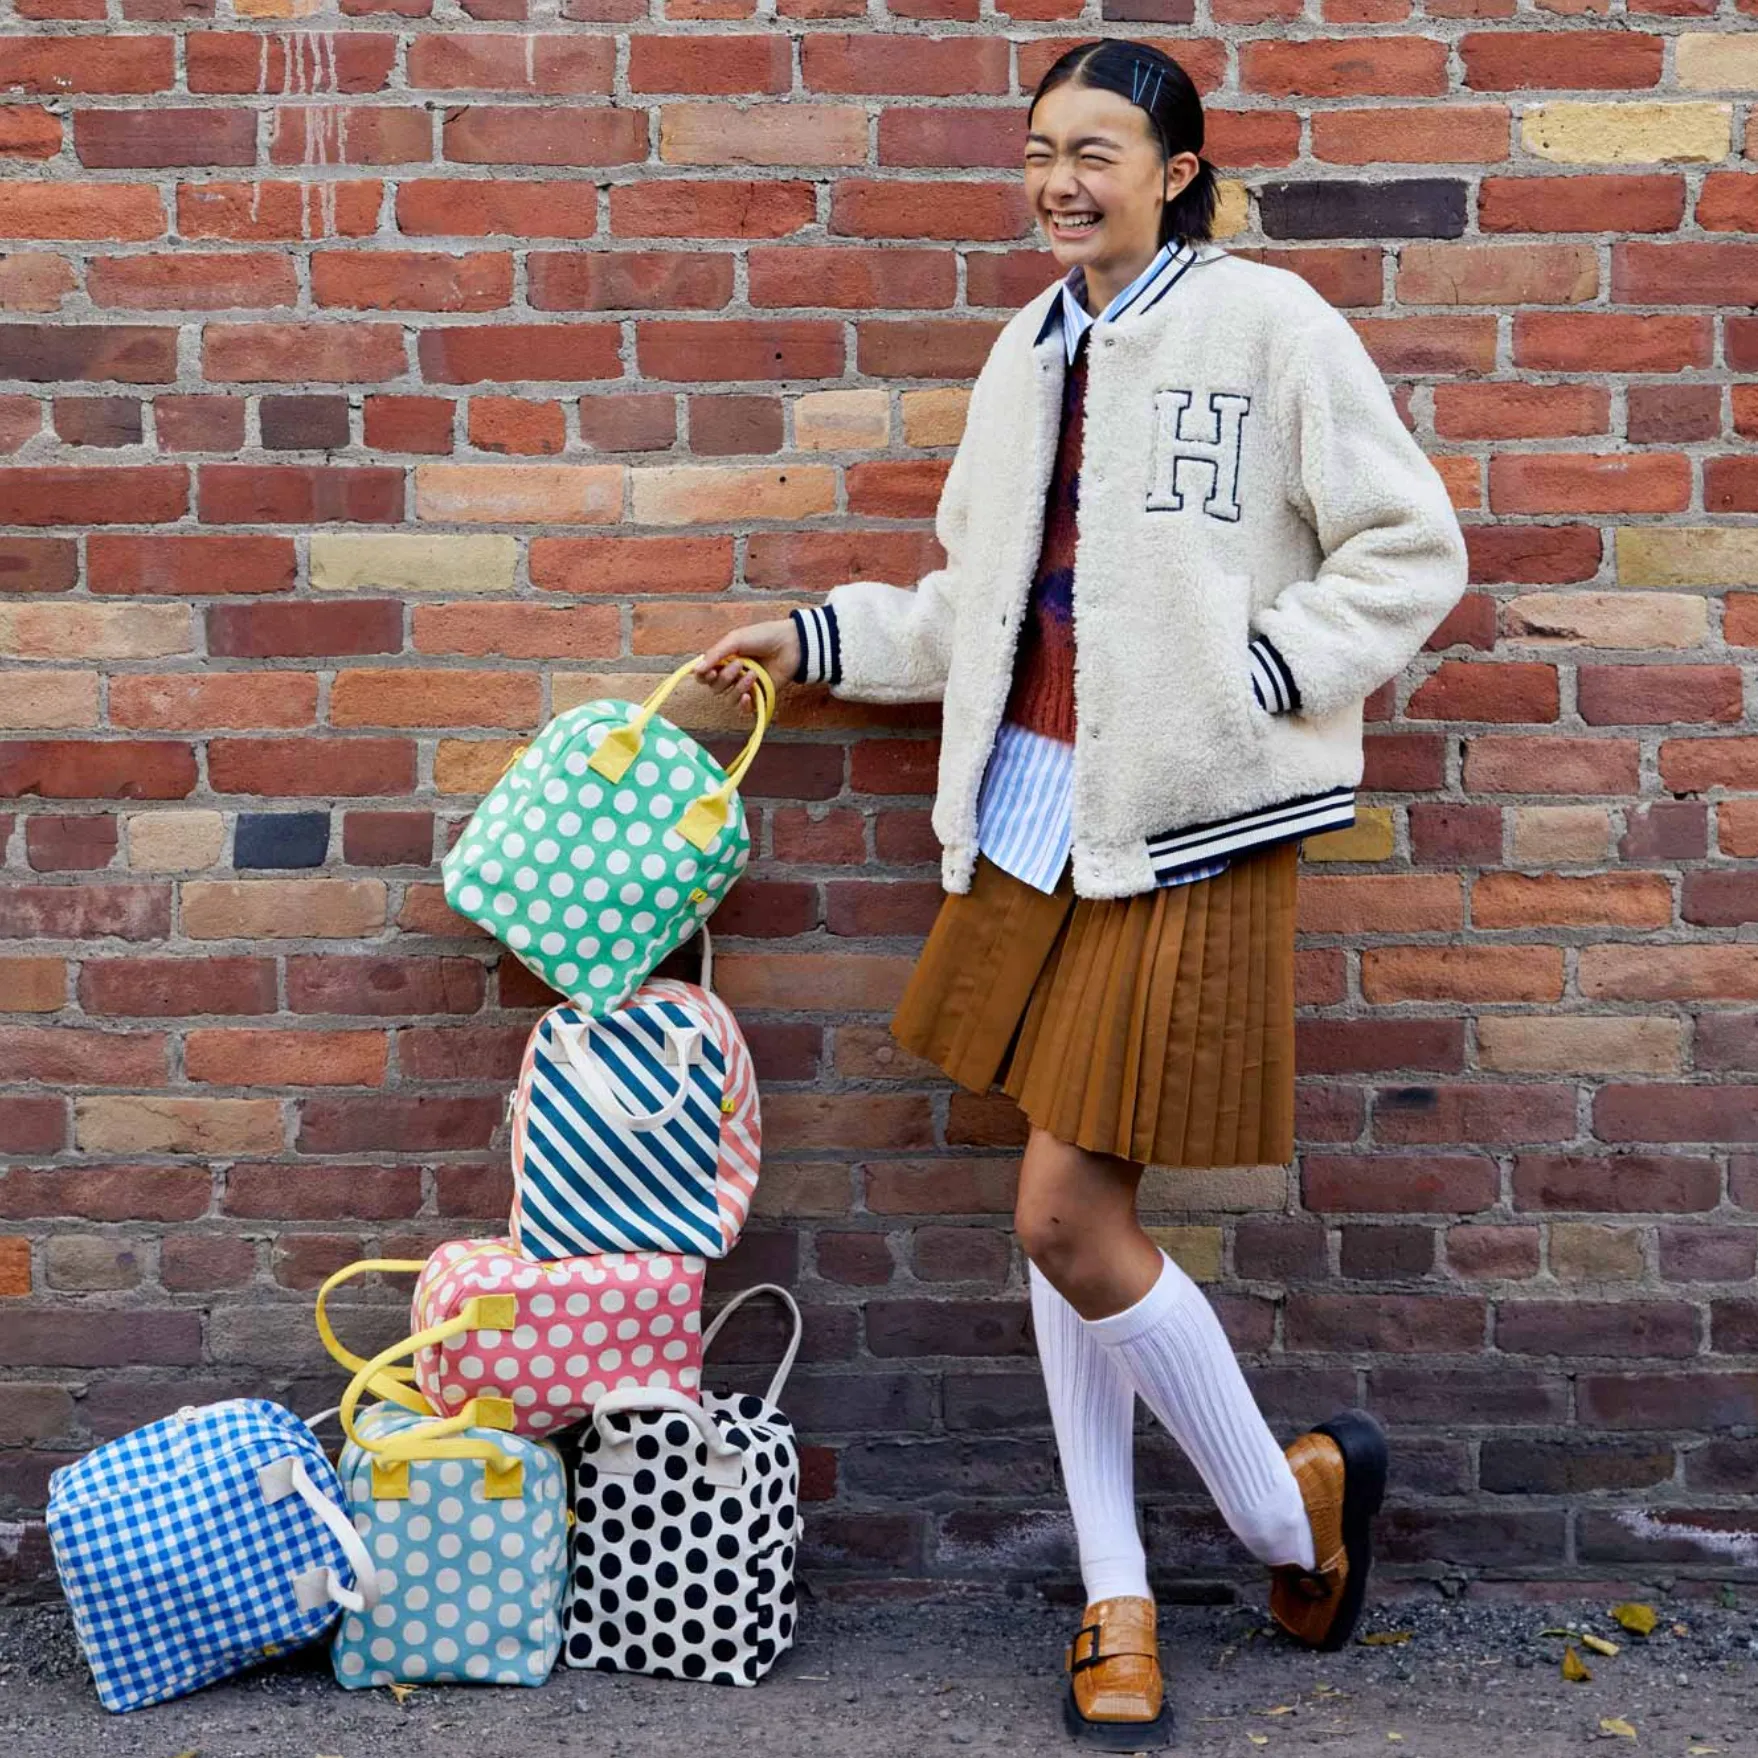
[{"x": 1333, "y": 809}]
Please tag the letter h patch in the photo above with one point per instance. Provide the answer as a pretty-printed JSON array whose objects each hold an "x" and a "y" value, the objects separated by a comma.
[{"x": 1216, "y": 450}]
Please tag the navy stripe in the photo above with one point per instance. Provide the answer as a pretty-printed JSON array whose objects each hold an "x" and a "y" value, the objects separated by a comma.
[
  {"x": 1337, "y": 818},
  {"x": 1169, "y": 839}
]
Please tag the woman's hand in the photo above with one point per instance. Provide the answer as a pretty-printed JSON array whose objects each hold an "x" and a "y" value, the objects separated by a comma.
[{"x": 774, "y": 645}]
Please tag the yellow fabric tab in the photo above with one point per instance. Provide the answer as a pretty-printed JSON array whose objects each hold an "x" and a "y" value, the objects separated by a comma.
[
  {"x": 703, "y": 820},
  {"x": 503, "y": 1482},
  {"x": 616, "y": 753},
  {"x": 390, "y": 1480},
  {"x": 491, "y": 1312},
  {"x": 491, "y": 1413}
]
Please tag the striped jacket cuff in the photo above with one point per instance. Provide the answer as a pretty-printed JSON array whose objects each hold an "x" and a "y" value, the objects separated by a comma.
[
  {"x": 1271, "y": 680},
  {"x": 820, "y": 646}
]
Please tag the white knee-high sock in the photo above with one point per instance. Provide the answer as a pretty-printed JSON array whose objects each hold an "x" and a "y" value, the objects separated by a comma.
[
  {"x": 1170, "y": 1347},
  {"x": 1093, "y": 1409}
]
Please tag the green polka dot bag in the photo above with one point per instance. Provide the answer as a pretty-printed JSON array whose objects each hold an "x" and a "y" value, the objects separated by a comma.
[{"x": 606, "y": 844}]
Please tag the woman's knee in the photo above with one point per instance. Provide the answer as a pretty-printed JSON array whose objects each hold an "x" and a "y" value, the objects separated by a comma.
[{"x": 1063, "y": 1215}]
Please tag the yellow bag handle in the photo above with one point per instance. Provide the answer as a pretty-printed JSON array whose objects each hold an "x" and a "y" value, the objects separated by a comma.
[
  {"x": 704, "y": 818},
  {"x": 440, "y": 1439},
  {"x": 397, "y": 1383}
]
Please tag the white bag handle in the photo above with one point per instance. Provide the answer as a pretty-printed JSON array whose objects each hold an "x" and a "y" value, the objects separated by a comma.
[
  {"x": 707, "y": 959},
  {"x": 284, "y": 1477},
  {"x": 685, "y": 1041},
  {"x": 773, "y": 1395},
  {"x": 616, "y": 1452}
]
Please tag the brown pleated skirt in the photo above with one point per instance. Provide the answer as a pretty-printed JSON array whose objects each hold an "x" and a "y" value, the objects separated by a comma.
[{"x": 1158, "y": 1027}]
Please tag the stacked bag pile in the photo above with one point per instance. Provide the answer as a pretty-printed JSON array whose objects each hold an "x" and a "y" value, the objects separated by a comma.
[{"x": 535, "y": 1471}]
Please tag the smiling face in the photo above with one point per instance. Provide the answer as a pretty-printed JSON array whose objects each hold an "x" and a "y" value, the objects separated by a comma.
[{"x": 1097, "y": 182}]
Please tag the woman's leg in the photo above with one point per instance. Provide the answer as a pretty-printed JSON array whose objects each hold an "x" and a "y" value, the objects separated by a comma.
[{"x": 1076, "y": 1219}]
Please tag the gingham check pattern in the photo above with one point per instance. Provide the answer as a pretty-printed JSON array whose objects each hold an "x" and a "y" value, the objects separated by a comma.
[{"x": 177, "y": 1570}]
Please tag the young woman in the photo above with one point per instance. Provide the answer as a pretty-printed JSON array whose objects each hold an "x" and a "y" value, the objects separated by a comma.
[{"x": 1186, "y": 535}]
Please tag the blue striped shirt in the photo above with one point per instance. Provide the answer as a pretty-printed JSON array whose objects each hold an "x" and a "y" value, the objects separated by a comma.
[{"x": 1025, "y": 811}]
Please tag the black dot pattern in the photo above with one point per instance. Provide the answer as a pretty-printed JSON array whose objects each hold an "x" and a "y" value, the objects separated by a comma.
[{"x": 674, "y": 1575}]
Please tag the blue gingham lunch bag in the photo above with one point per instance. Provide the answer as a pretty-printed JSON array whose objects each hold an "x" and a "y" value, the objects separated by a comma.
[{"x": 201, "y": 1545}]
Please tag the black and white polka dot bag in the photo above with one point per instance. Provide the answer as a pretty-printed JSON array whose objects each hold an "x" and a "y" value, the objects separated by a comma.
[{"x": 686, "y": 1523}]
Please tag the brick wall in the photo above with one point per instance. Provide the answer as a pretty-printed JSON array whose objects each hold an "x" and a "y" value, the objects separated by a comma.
[{"x": 379, "y": 384}]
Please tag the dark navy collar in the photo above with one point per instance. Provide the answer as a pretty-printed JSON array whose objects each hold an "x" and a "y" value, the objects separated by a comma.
[{"x": 1068, "y": 308}]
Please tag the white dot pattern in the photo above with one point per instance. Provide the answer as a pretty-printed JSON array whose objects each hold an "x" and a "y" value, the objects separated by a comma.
[
  {"x": 408, "y": 1638},
  {"x": 548, "y": 818},
  {"x": 560, "y": 1312}
]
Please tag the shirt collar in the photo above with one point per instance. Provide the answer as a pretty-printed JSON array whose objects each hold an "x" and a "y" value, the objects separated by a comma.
[{"x": 1152, "y": 285}]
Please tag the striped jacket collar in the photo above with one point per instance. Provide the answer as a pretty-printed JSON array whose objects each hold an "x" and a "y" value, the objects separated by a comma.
[{"x": 1068, "y": 310}]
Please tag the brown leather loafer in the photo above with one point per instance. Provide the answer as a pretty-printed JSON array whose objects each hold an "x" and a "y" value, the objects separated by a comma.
[
  {"x": 1341, "y": 1469},
  {"x": 1116, "y": 1699}
]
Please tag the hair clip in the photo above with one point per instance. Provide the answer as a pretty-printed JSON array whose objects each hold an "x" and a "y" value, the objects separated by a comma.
[{"x": 1138, "y": 79}]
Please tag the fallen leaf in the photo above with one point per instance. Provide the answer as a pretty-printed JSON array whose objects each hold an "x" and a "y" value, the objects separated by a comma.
[
  {"x": 1702, "y": 1751},
  {"x": 1392, "y": 1736},
  {"x": 1573, "y": 1670},
  {"x": 402, "y": 1693},
  {"x": 1639, "y": 1619},
  {"x": 1557, "y": 1632},
  {"x": 1598, "y": 1644},
  {"x": 1615, "y": 1724},
  {"x": 1259, "y": 1739},
  {"x": 1385, "y": 1638},
  {"x": 1684, "y": 1630},
  {"x": 1280, "y": 1709}
]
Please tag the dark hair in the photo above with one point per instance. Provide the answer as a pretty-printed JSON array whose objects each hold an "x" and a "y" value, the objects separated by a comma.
[{"x": 1158, "y": 85}]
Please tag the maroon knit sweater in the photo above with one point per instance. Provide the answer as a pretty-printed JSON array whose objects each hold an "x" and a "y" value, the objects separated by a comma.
[{"x": 1042, "y": 696}]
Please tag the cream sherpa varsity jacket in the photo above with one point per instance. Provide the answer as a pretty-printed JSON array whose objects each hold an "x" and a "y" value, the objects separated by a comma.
[{"x": 1261, "y": 545}]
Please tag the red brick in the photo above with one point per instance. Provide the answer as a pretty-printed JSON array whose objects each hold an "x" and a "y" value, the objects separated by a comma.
[
  {"x": 506, "y": 353},
  {"x": 37, "y": 564},
  {"x": 409, "y": 424},
  {"x": 1658, "y": 1112},
  {"x": 1647, "y": 273},
  {"x": 1575, "y": 60},
  {"x": 630, "y": 280},
  {"x": 74, "y": 769},
  {"x": 293, "y": 494},
  {"x": 814, "y": 560},
  {"x": 311, "y": 767},
  {"x": 1479, "y": 1113},
  {"x": 387, "y": 280},
  {"x": 720, "y": 63},
  {"x": 196, "y": 1263},
  {"x": 62, "y": 845},
  {"x": 1658, "y": 695},
  {"x": 1475, "y": 690},
  {"x": 267, "y": 212},
  {"x": 1689, "y": 766},
  {"x": 179, "y": 566},
  {"x": 102, "y": 1193},
  {"x": 219, "y": 699},
  {"x": 403, "y": 1123},
  {"x": 30, "y": 1126},
  {"x": 1443, "y": 1324},
  {"x": 148, "y": 494},
  {"x": 1581, "y": 201},
  {"x": 285, "y": 1058},
  {"x": 1398, "y": 1184},
  {"x": 401, "y": 987},
  {"x": 59, "y": 64},
  {"x": 253, "y": 61},
  {"x": 63, "y": 1055},
  {"x": 913, "y": 66},
  {"x": 303, "y": 631},
  {"x": 1577, "y": 1327},
  {"x": 1721, "y": 899},
  {"x": 1398, "y": 903},
  {"x": 479, "y": 208},
  {"x": 174, "y": 987},
  {"x": 126, "y": 139},
  {"x": 199, "y": 424},
  {"x": 1556, "y": 764},
  {"x": 724, "y": 208},
  {"x": 1521, "y": 900},
  {"x": 323, "y": 1193},
  {"x": 387, "y": 839},
  {"x": 853, "y": 277},
  {"x": 899, "y": 208},
  {"x": 1378, "y": 1046},
  {"x": 578, "y": 64},
  {"x": 488, "y": 134},
  {"x": 1477, "y": 1252},
  {"x": 1583, "y": 341}
]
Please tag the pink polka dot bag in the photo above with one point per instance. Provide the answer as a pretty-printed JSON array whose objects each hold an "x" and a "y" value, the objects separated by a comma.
[{"x": 501, "y": 1341}]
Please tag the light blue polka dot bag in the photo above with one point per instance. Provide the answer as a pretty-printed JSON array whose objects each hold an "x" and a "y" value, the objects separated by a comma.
[
  {"x": 467, "y": 1528},
  {"x": 605, "y": 844}
]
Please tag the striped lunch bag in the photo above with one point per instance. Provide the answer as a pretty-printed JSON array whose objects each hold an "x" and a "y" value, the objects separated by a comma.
[{"x": 637, "y": 1130}]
